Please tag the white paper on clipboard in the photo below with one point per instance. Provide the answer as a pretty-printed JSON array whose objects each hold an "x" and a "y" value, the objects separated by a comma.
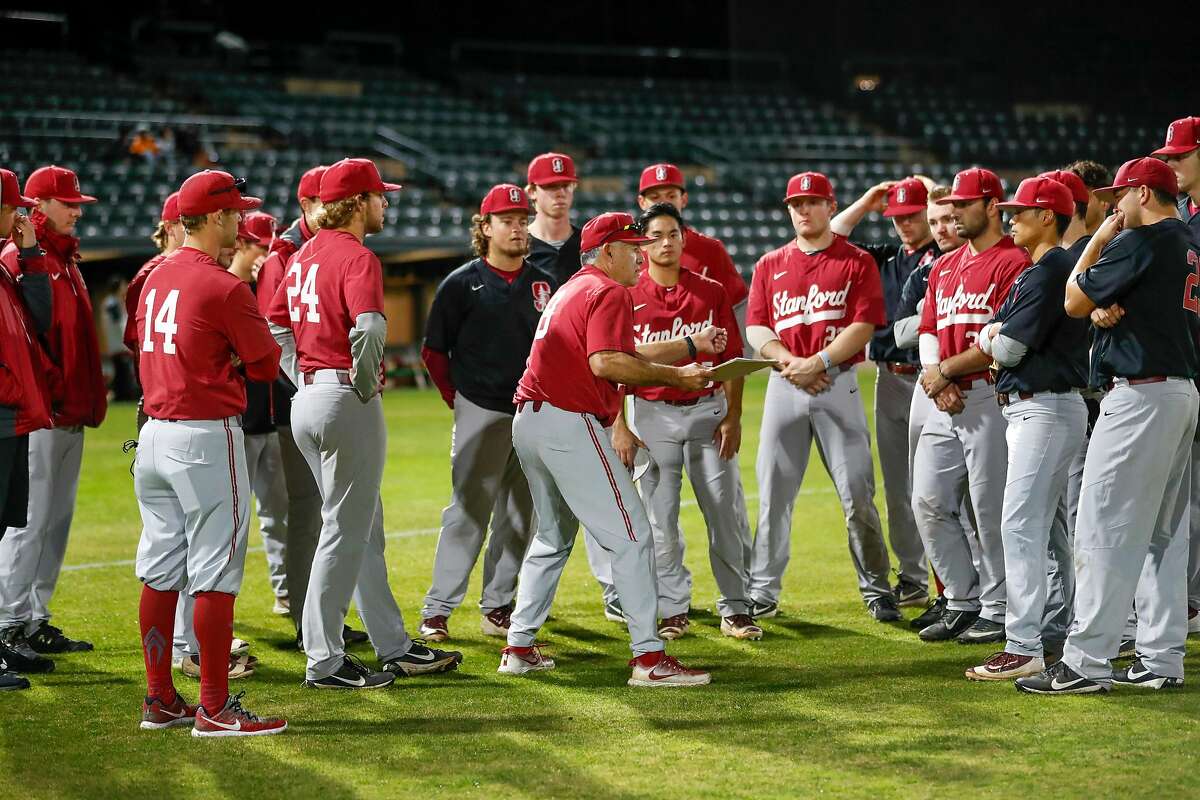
[{"x": 740, "y": 367}]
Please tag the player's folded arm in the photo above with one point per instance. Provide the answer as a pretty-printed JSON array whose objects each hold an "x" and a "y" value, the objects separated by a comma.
[{"x": 1106, "y": 280}]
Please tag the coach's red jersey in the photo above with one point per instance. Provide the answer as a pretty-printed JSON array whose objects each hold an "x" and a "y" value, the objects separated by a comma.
[
  {"x": 133, "y": 295},
  {"x": 330, "y": 280},
  {"x": 663, "y": 313},
  {"x": 708, "y": 257},
  {"x": 809, "y": 298},
  {"x": 193, "y": 317},
  {"x": 965, "y": 291},
  {"x": 591, "y": 313}
]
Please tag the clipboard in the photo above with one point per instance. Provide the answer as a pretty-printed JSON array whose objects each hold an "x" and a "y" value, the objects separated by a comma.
[{"x": 740, "y": 367}]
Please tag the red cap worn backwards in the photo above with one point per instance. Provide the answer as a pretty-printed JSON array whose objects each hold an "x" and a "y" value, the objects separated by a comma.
[
  {"x": 10, "y": 191},
  {"x": 657, "y": 175},
  {"x": 906, "y": 197},
  {"x": 213, "y": 190},
  {"x": 170, "y": 210},
  {"x": 1079, "y": 190},
  {"x": 1044, "y": 193},
  {"x": 55, "y": 183},
  {"x": 261, "y": 225},
  {"x": 310, "y": 183},
  {"x": 1183, "y": 136},
  {"x": 611, "y": 226},
  {"x": 974, "y": 184},
  {"x": 504, "y": 197},
  {"x": 551, "y": 168},
  {"x": 809, "y": 184},
  {"x": 1142, "y": 172},
  {"x": 352, "y": 176}
]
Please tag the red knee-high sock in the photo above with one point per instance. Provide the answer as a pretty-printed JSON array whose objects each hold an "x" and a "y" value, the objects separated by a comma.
[
  {"x": 941, "y": 587},
  {"x": 156, "y": 615},
  {"x": 213, "y": 623}
]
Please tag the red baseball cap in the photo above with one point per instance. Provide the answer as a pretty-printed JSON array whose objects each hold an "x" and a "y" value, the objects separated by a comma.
[
  {"x": 974, "y": 184},
  {"x": 261, "y": 225},
  {"x": 245, "y": 234},
  {"x": 809, "y": 184},
  {"x": 611, "y": 226},
  {"x": 657, "y": 175},
  {"x": 352, "y": 176},
  {"x": 1142, "y": 172},
  {"x": 504, "y": 197},
  {"x": 906, "y": 197},
  {"x": 551, "y": 168},
  {"x": 213, "y": 190},
  {"x": 170, "y": 209},
  {"x": 1183, "y": 136},
  {"x": 310, "y": 183},
  {"x": 55, "y": 183},
  {"x": 1042, "y": 192},
  {"x": 1079, "y": 190},
  {"x": 10, "y": 191}
]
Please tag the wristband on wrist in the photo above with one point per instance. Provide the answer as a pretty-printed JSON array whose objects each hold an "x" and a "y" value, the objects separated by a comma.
[
  {"x": 825, "y": 359},
  {"x": 691, "y": 346}
]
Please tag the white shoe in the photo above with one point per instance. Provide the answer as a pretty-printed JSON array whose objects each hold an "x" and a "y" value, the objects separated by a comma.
[
  {"x": 664, "y": 670},
  {"x": 741, "y": 626},
  {"x": 238, "y": 646},
  {"x": 495, "y": 622},
  {"x": 519, "y": 660},
  {"x": 1006, "y": 667}
]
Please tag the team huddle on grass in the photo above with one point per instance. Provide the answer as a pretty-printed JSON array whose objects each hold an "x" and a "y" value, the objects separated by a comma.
[{"x": 1037, "y": 358}]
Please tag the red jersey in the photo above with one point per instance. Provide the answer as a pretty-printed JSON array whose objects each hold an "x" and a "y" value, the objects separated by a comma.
[
  {"x": 966, "y": 290},
  {"x": 24, "y": 368},
  {"x": 330, "y": 281},
  {"x": 591, "y": 313},
  {"x": 194, "y": 317},
  {"x": 809, "y": 298},
  {"x": 707, "y": 257},
  {"x": 133, "y": 299},
  {"x": 283, "y": 247},
  {"x": 663, "y": 313}
]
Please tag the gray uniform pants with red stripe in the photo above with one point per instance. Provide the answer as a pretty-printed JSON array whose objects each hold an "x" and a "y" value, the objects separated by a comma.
[{"x": 576, "y": 477}]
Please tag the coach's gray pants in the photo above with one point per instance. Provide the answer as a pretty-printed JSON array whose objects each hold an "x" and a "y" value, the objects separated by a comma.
[
  {"x": 1131, "y": 539},
  {"x": 303, "y": 521},
  {"x": 487, "y": 483},
  {"x": 31, "y": 557},
  {"x": 265, "y": 467},
  {"x": 792, "y": 420},
  {"x": 893, "y": 401},
  {"x": 344, "y": 442},
  {"x": 683, "y": 435},
  {"x": 576, "y": 477},
  {"x": 959, "y": 457},
  {"x": 1044, "y": 434}
]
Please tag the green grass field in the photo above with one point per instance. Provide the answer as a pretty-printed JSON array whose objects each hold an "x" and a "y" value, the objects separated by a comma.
[{"x": 828, "y": 703}]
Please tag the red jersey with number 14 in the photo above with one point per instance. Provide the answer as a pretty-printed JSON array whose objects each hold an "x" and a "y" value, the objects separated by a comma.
[
  {"x": 809, "y": 298},
  {"x": 330, "y": 280},
  {"x": 193, "y": 317}
]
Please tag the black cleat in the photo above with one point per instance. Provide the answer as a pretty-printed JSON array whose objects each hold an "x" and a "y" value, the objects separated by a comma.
[
  {"x": 883, "y": 609},
  {"x": 613, "y": 612},
  {"x": 909, "y": 594},
  {"x": 1059, "y": 679},
  {"x": 18, "y": 655},
  {"x": 1136, "y": 674},
  {"x": 352, "y": 637},
  {"x": 49, "y": 639},
  {"x": 982, "y": 631},
  {"x": 930, "y": 615},
  {"x": 761, "y": 609},
  {"x": 422, "y": 660},
  {"x": 11, "y": 681},
  {"x": 949, "y": 626},
  {"x": 353, "y": 674},
  {"x": 1128, "y": 649}
]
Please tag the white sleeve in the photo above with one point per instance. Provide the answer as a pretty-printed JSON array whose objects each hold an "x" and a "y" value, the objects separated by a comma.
[
  {"x": 758, "y": 336},
  {"x": 930, "y": 351},
  {"x": 367, "y": 340},
  {"x": 1007, "y": 351},
  {"x": 289, "y": 366},
  {"x": 907, "y": 331}
]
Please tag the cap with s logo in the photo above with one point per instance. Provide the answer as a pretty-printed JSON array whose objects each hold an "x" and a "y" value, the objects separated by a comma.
[
  {"x": 657, "y": 175},
  {"x": 905, "y": 197},
  {"x": 975, "y": 183},
  {"x": 504, "y": 197},
  {"x": 809, "y": 184},
  {"x": 55, "y": 183},
  {"x": 1183, "y": 136},
  {"x": 551, "y": 168}
]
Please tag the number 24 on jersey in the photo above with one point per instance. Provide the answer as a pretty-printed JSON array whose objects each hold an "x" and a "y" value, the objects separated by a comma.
[{"x": 304, "y": 286}]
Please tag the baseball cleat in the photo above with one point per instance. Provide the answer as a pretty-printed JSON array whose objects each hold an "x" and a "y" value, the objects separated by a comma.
[
  {"x": 19, "y": 656},
  {"x": 1059, "y": 679},
  {"x": 48, "y": 639},
  {"x": 740, "y": 626},
  {"x": 352, "y": 674},
  {"x": 435, "y": 629},
  {"x": 613, "y": 612},
  {"x": 982, "y": 631},
  {"x": 519, "y": 660},
  {"x": 351, "y": 637},
  {"x": 659, "y": 669},
  {"x": 951, "y": 624},
  {"x": 1193, "y": 621},
  {"x": 1128, "y": 649},
  {"x": 496, "y": 621},
  {"x": 157, "y": 715},
  {"x": 238, "y": 646},
  {"x": 233, "y": 720},
  {"x": 11, "y": 681},
  {"x": 1005, "y": 667},
  {"x": 932, "y": 613},
  {"x": 422, "y": 660},
  {"x": 242, "y": 666},
  {"x": 283, "y": 606},
  {"x": 762, "y": 609},
  {"x": 883, "y": 609},
  {"x": 910, "y": 594},
  {"x": 673, "y": 627},
  {"x": 1136, "y": 674}
]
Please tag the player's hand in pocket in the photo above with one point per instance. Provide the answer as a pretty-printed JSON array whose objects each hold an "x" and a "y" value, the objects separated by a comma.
[{"x": 626, "y": 443}]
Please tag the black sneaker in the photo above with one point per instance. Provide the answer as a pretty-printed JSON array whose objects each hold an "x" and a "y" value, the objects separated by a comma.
[
  {"x": 613, "y": 612},
  {"x": 11, "y": 681},
  {"x": 1136, "y": 674},
  {"x": 883, "y": 609},
  {"x": 19, "y": 656},
  {"x": 950, "y": 625},
  {"x": 422, "y": 660},
  {"x": 353, "y": 674},
  {"x": 982, "y": 631},
  {"x": 49, "y": 639},
  {"x": 930, "y": 615},
  {"x": 1059, "y": 679},
  {"x": 909, "y": 594},
  {"x": 352, "y": 637},
  {"x": 1128, "y": 649},
  {"x": 761, "y": 609}
]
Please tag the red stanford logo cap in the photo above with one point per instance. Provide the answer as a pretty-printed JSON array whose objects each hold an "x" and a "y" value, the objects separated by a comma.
[
  {"x": 1183, "y": 136},
  {"x": 809, "y": 184},
  {"x": 657, "y": 175},
  {"x": 974, "y": 184},
  {"x": 504, "y": 197},
  {"x": 551, "y": 168},
  {"x": 905, "y": 197}
]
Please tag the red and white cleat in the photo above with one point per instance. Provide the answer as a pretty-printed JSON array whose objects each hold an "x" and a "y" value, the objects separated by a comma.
[
  {"x": 233, "y": 720},
  {"x": 659, "y": 669},
  {"x": 157, "y": 716},
  {"x": 519, "y": 660}
]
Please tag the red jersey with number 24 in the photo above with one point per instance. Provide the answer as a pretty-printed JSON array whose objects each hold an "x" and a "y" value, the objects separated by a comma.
[
  {"x": 810, "y": 298},
  {"x": 330, "y": 280}
]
